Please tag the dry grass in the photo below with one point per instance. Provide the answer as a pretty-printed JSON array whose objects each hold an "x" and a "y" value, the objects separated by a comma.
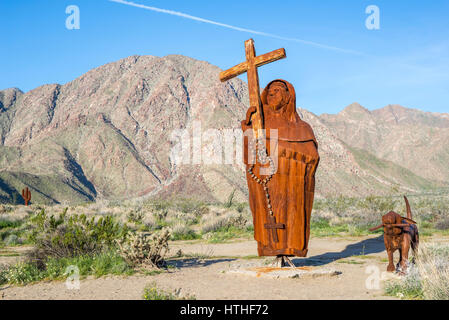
[
  {"x": 428, "y": 278},
  {"x": 433, "y": 268}
]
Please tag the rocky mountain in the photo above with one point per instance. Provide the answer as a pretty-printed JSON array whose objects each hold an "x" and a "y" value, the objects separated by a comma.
[
  {"x": 112, "y": 133},
  {"x": 413, "y": 139},
  {"x": 107, "y": 133}
]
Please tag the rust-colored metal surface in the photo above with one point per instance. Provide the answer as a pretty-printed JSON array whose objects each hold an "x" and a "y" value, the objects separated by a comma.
[
  {"x": 26, "y": 195},
  {"x": 281, "y": 185},
  {"x": 290, "y": 191},
  {"x": 400, "y": 233},
  {"x": 264, "y": 270},
  {"x": 250, "y": 67}
]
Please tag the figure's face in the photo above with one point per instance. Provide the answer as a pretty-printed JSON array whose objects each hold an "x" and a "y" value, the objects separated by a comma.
[{"x": 277, "y": 96}]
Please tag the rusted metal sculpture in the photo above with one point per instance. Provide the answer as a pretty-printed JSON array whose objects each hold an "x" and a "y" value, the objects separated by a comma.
[
  {"x": 281, "y": 198},
  {"x": 400, "y": 233},
  {"x": 26, "y": 195}
]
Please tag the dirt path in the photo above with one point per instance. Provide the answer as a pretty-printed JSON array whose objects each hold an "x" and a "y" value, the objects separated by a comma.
[{"x": 202, "y": 272}]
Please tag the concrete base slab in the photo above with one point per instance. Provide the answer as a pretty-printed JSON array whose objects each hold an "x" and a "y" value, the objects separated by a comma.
[{"x": 286, "y": 272}]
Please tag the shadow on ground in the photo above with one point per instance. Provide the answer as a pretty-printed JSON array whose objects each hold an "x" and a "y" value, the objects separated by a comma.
[
  {"x": 195, "y": 262},
  {"x": 365, "y": 247}
]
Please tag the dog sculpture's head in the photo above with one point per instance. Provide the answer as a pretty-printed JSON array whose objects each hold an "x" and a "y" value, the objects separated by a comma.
[{"x": 393, "y": 224}]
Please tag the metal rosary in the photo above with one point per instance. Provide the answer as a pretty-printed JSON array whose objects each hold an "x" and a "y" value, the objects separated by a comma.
[{"x": 263, "y": 157}]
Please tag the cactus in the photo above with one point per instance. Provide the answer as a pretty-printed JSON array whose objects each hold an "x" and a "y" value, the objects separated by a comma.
[
  {"x": 26, "y": 195},
  {"x": 146, "y": 251}
]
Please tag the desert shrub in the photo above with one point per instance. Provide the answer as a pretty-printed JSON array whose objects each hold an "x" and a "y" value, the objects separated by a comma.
[
  {"x": 12, "y": 240},
  {"x": 135, "y": 216},
  {"x": 409, "y": 287},
  {"x": 225, "y": 221},
  {"x": 240, "y": 207},
  {"x": 379, "y": 205},
  {"x": 428, "y": 278},
  {"x": 181, "y": 231},
  {"x": 71, "y": 236},
  {"x": 227, "y": 233},
  {"x": 177, "y": 217},
  {"x": 150, "y": 221},
  {"x": 431, "y": 206},
  {"x": 145, "y": 251},
  {"x": 158, "y": 204},
  {"x": 198, "y": 208},
  {"x": 433, "y": 266},
  {"x": 3, "y": 272},
  {"x": 442, "y": 224},
  {"x": 100, "y": 264},
  {"x": 5, "y": 208},
  {"x": 55, "y": 268},
  {"x": 160, "y": 219},
  {"x": 322, "y": 228},
  {"x": 7, "y": 222},
  {"x": 238, "y": 221},
  {"x": 369, "y": 206},
  {"x": 152, "y": 292},
  {"x": 228, "y": 203},
  {"x": 21, "y": 273},
  {"x": 12, "y": 228}
]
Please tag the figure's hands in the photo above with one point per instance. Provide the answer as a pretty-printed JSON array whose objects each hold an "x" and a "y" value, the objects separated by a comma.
[{"x": 247, "y": 123}]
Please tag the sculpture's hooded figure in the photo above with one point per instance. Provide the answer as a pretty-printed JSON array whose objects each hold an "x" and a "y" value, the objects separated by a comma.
[{"x": 291, "y": 188}]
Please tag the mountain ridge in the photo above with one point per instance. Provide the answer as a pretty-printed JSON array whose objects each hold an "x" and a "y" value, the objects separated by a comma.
[{"x": 107, "y": 135}]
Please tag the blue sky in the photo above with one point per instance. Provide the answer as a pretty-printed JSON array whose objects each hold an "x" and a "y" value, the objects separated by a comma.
[{"x": 405, "y": 62}]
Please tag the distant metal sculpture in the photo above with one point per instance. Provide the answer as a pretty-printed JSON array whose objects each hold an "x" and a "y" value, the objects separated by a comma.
[
  {"x": 281, "y": 198},
  {"x": 26, "y": 195},
  {"x": 400, "y": 233}
]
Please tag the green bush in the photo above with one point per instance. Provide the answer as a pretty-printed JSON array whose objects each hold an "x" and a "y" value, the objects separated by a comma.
[
  {"x": 6, "y": 223},
  {"x": 409, "y": 287},
  {"x": 188, "y": 234},
  {"x": 54, "y": 268},
  {"x": 152, "y": 292},
  {"x": 135, "y": 216},
  {"x": 11, "y": 231},
  {"x": 229, "y": 232},
  {"x": 98, "y": 265},
  {"x": 155, "y": 293},
  {"x": 322, "y": 228},
  {"x": 71, "y": 236},
  {"x": 21, "y": 273}
]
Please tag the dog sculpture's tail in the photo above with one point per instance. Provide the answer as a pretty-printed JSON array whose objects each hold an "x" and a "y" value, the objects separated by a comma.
[
  {"x": 409, "y": 211},
  {"x": 414, "y": 233}
]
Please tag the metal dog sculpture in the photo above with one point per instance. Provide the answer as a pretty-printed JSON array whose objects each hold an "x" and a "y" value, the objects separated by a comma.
[{"x": 400, "y": 233}]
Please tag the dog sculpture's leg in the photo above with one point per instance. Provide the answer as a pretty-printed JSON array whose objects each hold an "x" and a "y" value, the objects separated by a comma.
[
  {"x": 405, "y": 249},
  {"x": 389, "y": 249},
  {"x": 390, "y": 267},
  {"x": 399, "y": 264}
]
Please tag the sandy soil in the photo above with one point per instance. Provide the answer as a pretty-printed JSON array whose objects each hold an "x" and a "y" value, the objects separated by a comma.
[{"x": 202, "y": 272}]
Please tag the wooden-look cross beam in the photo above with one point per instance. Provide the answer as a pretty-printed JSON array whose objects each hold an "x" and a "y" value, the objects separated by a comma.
[
  {"x": 250, "y": 67},
  {"x": 273, "y": 226}
]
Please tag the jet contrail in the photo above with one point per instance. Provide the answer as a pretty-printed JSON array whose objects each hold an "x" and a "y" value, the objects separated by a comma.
[{"x": 187, "y": 16}]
